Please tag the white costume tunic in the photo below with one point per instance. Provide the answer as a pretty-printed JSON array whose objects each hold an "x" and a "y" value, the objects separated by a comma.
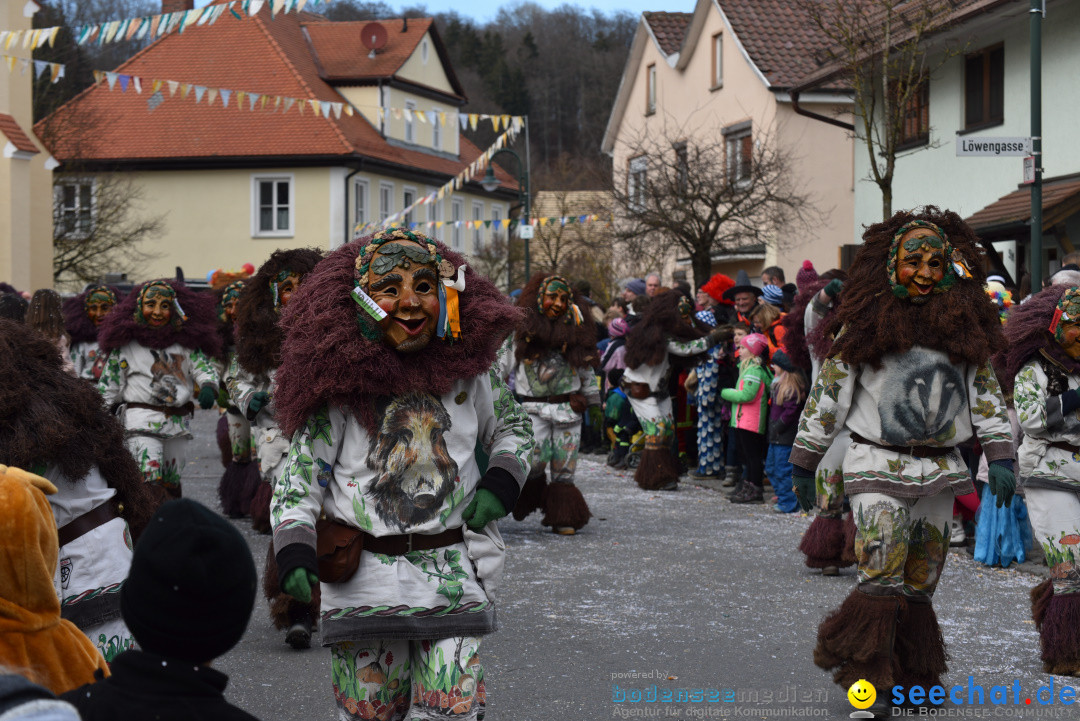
[
  {"x": 164, "y": 378},
  {"x": 416, "y": 476},
  {"x": 93, "y": 566},
  {"x": 829, "y": 477},
  {"x": 654, "y": 412},
  {"x": 271, "y": 446}
]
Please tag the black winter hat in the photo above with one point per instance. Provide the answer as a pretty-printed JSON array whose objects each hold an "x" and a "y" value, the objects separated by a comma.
[{"x": 191, "y": 587}]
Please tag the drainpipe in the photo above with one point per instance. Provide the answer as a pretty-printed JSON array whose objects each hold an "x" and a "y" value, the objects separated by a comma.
[
  {"x": 357, "y": 169},
  {"x": 817, "y": 116}
]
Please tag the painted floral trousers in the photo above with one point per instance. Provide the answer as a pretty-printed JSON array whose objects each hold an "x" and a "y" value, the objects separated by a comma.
[
  {"x": 397, "y": 680},
  {"x": 1055, "y": 518}
]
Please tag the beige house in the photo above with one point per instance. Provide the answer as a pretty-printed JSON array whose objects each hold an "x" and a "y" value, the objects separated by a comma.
[
  {"x": 25, "y": 179},
  {"x": 243, "y": 172},
  {"x": 721, "y": 74}
]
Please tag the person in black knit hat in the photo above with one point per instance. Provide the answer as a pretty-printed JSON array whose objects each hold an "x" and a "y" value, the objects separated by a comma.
[{"x": 187, "y": 600}]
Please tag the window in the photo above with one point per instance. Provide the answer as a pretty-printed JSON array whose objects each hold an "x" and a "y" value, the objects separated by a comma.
[
  {"x": 457, "y": 210},
  {"x": 739, "y": 145},
  {"x": 436, "y": 129},
  {"x": 478, "y": 232},
  {"x": 496, "y": 223},
  {"x": 915, "y": 125},
  {"x": 635, "y": 182},
  {"x": 984, "y": 88},
  {"x": 408, "y": 197},
  {"x": 74, "y": 209},
  {"x": 682, "y": 166},
  {"x": 434, "y": 213},
  {"x": 424, "y": 51},
  {"x": 717, "y": 61},
  {"x": 360, "y": 202},
  {"x": 650, "y": 93},
  {"x": 273, "y": 206},
  {"x": 410, "y": 121},
  {"x": 386, "y": 201}
]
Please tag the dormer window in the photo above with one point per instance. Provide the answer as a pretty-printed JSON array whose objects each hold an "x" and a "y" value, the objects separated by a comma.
[
  {"x": 424, "y": 51},
  {"x": 410, "y": 121}
]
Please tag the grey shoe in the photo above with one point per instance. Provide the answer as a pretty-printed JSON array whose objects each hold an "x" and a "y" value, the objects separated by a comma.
[{"x": 732, "y": 477}]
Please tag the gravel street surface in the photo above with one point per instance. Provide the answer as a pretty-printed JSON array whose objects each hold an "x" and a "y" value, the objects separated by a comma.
[{"x": 681, "y": 592}]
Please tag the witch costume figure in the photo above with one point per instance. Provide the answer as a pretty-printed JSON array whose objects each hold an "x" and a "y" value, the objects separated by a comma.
[
  {"x": 1044, "y": 358},
  {"x": 387, "y": 387},
  {"x": 159, "y": 340},
  {"x": 55, "y": 425},
  {"x": 909, "y": 376},
  {"x": 83, "y": 315},
  {"x": 250, "y": 381},
  {"x": 666, "y": 329},
  {"x": 553, "y": 359},
  {"x": 829, "y": 542}
]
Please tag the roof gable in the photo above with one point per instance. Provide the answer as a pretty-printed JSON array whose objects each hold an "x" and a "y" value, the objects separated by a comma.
[
  {"x": 15, "y": 135},
  {"x": 668, "y": 29}
]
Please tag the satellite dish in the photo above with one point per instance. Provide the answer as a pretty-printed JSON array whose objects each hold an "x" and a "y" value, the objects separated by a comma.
[{"x": 374, "y": 37}]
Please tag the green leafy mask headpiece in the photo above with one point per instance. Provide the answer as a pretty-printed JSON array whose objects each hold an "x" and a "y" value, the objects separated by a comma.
[
  {"x": 154, "y": 289},
  {"x": 1068, "y": 309},
  {"x": 231, "y": 293},
  {"x": 956, "y": 267},
  {"x": 99, "y": 294}
]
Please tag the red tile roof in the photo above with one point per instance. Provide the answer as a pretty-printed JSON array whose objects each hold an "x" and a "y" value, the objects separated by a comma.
[
  {"x": 256, "y": 54},
  {"x": 779, "y": 36},
  {"x": 1061, "y": 198},
  {"x": 11, "y": 130},
  {"x": 669, "y": 29}
]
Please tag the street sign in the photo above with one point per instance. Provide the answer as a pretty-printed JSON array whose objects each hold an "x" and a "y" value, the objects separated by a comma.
[
  {"x": 992, "y": 147},
  {"x": 1029, "y": 170},
  {"x": 525, "y": 232}
]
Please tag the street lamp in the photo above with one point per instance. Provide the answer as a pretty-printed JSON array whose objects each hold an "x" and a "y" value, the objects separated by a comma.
[{"x": 490, "y": 183}]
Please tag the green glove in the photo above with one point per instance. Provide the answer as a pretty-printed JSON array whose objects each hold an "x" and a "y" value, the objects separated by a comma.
[
  {"x": 805, "y": 488},
  {"x": 223, "y": 398},
  {"x": 833, "y": 288},
  {"x": 258, "y": 401},
  {"x": 207, "y": 395},
  {"x": 298, "y": 584},
  {"x": 1002, "y": 482},
  {"x": 484, "y": 508}
]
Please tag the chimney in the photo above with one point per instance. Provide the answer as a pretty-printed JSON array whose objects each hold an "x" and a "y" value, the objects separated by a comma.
[
  {"x": 176, "y": 6},
  {"x": 405, "y": 24}
]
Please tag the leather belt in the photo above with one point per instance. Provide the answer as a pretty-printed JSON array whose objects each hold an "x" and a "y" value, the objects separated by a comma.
[
  {"x": 402, "y": 544},
  {"x": 86, "y": 523},
  {"x": 561, "y": 398},
  {"x": 1065, "y": 446},
  {"x": 917, "y": 451},
  {"x": 188, "y": 409}
]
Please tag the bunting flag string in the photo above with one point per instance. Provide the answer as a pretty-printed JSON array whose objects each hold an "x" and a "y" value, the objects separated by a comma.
[
  {"x": 497, "y": 223},
  {"x": 151, "y": 26}
]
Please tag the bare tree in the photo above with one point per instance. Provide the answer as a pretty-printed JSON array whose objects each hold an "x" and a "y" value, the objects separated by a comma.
[
  {"x": 703, "y": 194},
  {"x": 879, "y": 44},
  {"x": 490, "y": 261}
]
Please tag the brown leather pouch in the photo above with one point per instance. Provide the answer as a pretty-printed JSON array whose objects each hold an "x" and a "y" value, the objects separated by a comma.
[
  {"x": 578, "y": 403},
  {"x": 338, "y": 547},
  {"x": 639, "y": 391}
]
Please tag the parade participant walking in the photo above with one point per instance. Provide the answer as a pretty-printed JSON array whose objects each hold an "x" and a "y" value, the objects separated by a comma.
[
  {"x": 666, "y": 329},
  {"x": 251, "y": 386},
  {"x": 55, "y": 425},
  {"x": 83, "y": 315},
  {"x": 386, "y": 387},
  {"x": 158, "y": 341},
  {"x": 1044, "y": 360},
  {"x": 553, "y": 359},
  {"x": 910, "y": 377},
  {"x": 749, "y": 414}
]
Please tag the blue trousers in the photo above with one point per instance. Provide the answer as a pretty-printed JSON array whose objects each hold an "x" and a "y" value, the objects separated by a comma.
[{"x": 778, "y": 469}]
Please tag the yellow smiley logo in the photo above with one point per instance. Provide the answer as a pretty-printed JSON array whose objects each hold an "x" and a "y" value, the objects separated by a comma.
[{"x": 862, "y": 694}]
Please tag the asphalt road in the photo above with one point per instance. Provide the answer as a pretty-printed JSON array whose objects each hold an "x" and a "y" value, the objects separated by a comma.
[{"x": 679, "y": 591}]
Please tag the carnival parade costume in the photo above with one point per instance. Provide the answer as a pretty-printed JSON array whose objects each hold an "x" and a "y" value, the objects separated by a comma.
[
  {"x": 387, "y": 387},
  {"x": 159, "y": 340},
  {"x": 666, "y": 329},
  {"x": 55, "y": 425},
  {"x": 250, "y": 382},
  {"x": 552, "y": 357},
  {"x": 1044, "y": 359},
  {"x": 910, "y": 377},
  {"x": 83, "y": 315}
]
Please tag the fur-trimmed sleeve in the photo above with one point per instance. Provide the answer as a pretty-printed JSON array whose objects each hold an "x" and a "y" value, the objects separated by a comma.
[
  {"x": 825, "y": 412},
  {"x": 203, "y": 371},
  {"x": 505, "y": 429},
  {"x": 988, "y": 413},
  {"x": 242, "y": 385}
]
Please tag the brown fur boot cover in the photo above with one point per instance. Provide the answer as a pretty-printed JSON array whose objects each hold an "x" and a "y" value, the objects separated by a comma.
[
  {"x": 260, "y": 507},
  {"x": 856, "y": 640},
  {"x": 1040, "y": 598},
  {"x": 823, "y": 542},
  {"x": 847, "y": 552},
  {"x": 284, "y": 609},
  {"x": 531, "y": 496},
  {"x": 1060, "y": 635},
  {"x": 658, "y": 468},
  {"x": 237, "y": 486},
  {"x": 223, "y": 443},
  {"x": 565, "y": 506},
  {"x": 920, "y": 647}
]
